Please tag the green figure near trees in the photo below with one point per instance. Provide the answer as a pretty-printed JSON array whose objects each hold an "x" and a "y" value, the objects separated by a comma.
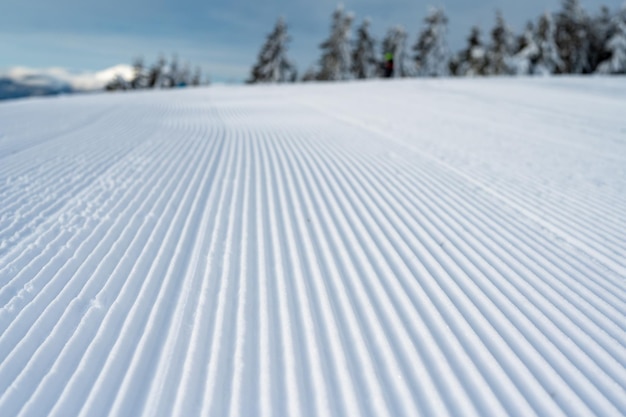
[{"x": 388, "y": 69}]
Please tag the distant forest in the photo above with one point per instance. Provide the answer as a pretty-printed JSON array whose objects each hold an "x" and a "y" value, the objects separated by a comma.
[
  {"x": 161, "y": 74},
  {"x": 569, "y": 41}
]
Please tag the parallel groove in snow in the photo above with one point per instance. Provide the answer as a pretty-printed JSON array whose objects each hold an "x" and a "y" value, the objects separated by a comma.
[
  {"x": 263, "y": 251},
  {"x": 507, "y": 303},
  {"x": 91, "y": 304},
  {"x": 574, "y": 232},
  {"x": 574, "y": 198}
]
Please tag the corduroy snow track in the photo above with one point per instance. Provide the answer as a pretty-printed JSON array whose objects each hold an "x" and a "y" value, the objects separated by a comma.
[{"x": 402, "y": 248}]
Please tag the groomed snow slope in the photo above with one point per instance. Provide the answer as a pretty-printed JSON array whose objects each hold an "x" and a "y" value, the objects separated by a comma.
[{"x": 408, "y": 248}]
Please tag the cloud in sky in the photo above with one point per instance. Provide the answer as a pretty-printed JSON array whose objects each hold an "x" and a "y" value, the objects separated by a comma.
[{"x": 223, "y": 36}]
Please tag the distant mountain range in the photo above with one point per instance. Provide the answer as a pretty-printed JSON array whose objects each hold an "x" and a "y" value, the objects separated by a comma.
[{"x": 20, "y": 82}]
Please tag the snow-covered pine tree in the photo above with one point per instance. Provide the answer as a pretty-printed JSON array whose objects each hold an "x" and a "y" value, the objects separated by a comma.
[
  {"x": 572, "y": 37},
  {"x": 156, "y": 75},
  {"x": 335, "y": 60},
  {"x": 526, "y": 52},
  {"x": 548, "y": 60},
  {"x": 364, "y": 63},
  {"x": 600, "y": 31},
  {"x": 117, "y": 83},
  {"x": 184, "y": 75},
  {"x": 310, "y": 74},
  {"x": 196, "y": 78},
  {"x": 395, "y": 43},
  {"x": 616, "y": 46},
  {"x": 172, "y": 78},
  {"x": 500, "y": 48},
  {"x": 432, "y": 56},
  {"x": 454, "y": 65},
  {"x": 272, "y": 65},
  {"x": 139, "y": 79},
  {"x": 473, "y": 59}
]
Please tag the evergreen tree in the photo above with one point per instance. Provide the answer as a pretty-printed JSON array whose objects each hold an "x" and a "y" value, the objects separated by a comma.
[
  {"x": 572, "y": 38},
  {"x": 335, "y": 60},
  {"x": 196, "y": 79},
  {"x": 454, "y": 65},
  {"x": 395, "y": 43},
  {"x": 156, "y": 75},
  {"x": 184, "y": 76},
  {"x": 600, "y": 31},
  {"x": 310, "y": 74},
  {"x": 117, "y": 83},
  {"x": 473, "y": 59},
  {"x": 432, "y": 56},
  {"x": 501, "y": 48},
  {"x": 364, "y": 64},
  {"x": 548, "y": 60},
  {"x": 139, "y": 79},
  {"x": 272, "y": 65},
  {"x": 172, "y": 78},
  {"x": 525, "y": 53},
  {"x": 616, "y": 45}
]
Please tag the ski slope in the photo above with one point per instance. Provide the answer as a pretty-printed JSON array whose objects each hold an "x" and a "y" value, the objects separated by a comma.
[{"x": 410, "y": 248}]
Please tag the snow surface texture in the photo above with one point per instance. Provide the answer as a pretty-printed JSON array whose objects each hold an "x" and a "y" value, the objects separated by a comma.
[{"x": 422, "y": 247}]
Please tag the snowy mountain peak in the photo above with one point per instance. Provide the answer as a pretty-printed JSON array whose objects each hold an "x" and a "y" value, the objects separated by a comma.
[{"x": 22, "y": 81}]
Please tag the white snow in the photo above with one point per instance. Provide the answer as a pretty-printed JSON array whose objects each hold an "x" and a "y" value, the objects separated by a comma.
[{"x": 387, "y": 248}]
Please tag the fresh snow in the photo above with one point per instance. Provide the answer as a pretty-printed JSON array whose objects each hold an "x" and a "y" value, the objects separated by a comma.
[{"x": 387, "y": 248}]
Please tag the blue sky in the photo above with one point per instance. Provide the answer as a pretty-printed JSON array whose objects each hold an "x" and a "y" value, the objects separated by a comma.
[{"x": 223, "y": 36}]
